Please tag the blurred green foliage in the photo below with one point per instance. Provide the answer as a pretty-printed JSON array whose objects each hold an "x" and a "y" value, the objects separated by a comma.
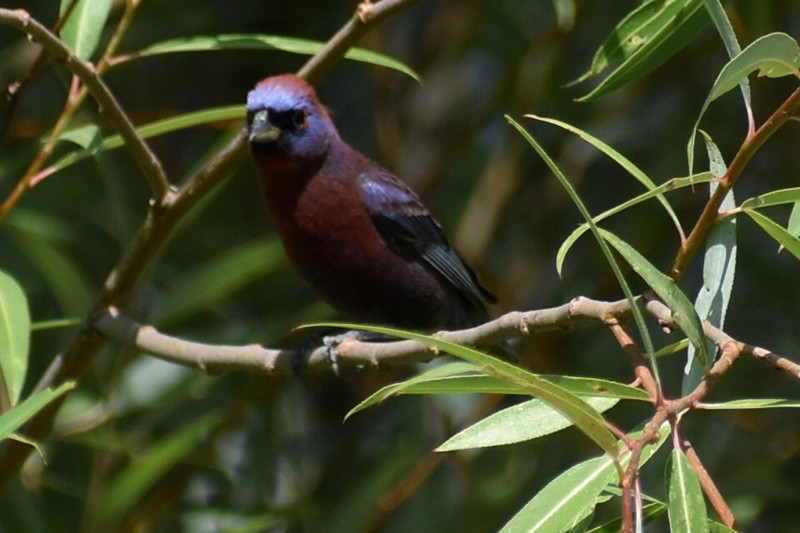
[{"x": 138, "y": 444}]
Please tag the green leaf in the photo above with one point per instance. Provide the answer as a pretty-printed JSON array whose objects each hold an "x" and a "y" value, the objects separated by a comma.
[
  {"x": 649, "y": 512},
  {"x": 525, "y": 421},
  {"x": 131, "y": 483},
  {"x": 794, "y": 220},
  {"x": 725, "y": 29},
  {"x": 88, "y": 137},
  {"x": 627, "y": 165},
  {"x": 573, "y": 495},
  {"x": 637, "y": 313},
  {"x": 753, "y": 403},
  {"x": 460, "y": 378},
  {"x": 778, "y": 197},
  {"x": 719, "y": 270},
  {"x": 82, "y": 30},
  {"x": 773, "y": 55},
  {"x": 221, "y": 276},
  {"x": 643, "y": 40},
  {"x": 253, "y": 41},
  {"x": 154, "y": 129},
  {"x": 683, "y": 312},
  {"x": 686, "y": 507},
  {"x": 777, "y": 232},
  {"x": 18, "y": 415},
  {"x": 585, "y": 418},
  {"x": 15, "y": 335},
  {"x": 673, "y": 184}
]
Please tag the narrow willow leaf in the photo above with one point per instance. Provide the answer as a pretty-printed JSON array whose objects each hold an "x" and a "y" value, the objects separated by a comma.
[
  {"x": 612, "y": 262},
  {"x": 754, "y": 403},
  {"x": 253, "y": 41},
  {"x": 645, "y": 39},
  {"x": 82, "y": 30},
  {"x": 683, "y": 312},
  {"x": 12, "y": 420},
  {"x": 793, "y": 227},
  {"x": 135, "y": 479},
  {"x": 686, "y": 507},
  {"x": 773, "y": 55},
  {"x": 15, "y": 334},
  {"x": 525, "y": 421},
  {"x": 585, "y": 418},
  {"x": 719, "y": 270},
  {"x": 573, "y": 495},
  {"x": 452, "y": 378},
  {"x": 622, "y": 161},
  {"x": 725, "y": 29},
  {"x": 154, "y": 129},
  {"x": 437, "y": 381},
  {"x": 779, "y": 197},
  {"x": 673, "y": 184},
  {"x": 776, "y": 231}
]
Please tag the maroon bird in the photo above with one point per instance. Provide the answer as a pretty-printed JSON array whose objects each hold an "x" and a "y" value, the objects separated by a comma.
[{"x": 359, "y": 236}]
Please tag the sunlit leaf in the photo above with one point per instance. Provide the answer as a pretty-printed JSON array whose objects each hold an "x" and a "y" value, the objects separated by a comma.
[
  {"x": 719, "y": 270},
  {"x": 686, "y": 507},
  {"x": 244, "y": 41},
  {"x": 626, "y": 164},
  {"x": 776, "y": 231},
  {"x": 753, "y": 403},
  {"x": 773, "y": 55},
  {"x": 725, "y": 29},
  {"x": 585, "y": 418},
  {"x": 777, "y": 197},
  {"x": 462, "y": 378},
  {"x": 683, "y": 312},
  {"x": 571, "y": 496},
  {"x": 154, "y": 129},
  {"x": 82, "y": 30},
  {"x": 673, "y": 184},
  {"x": 13, "y": 419},
  {"x": 15, "y": 334},
  {"x": 643, "y": 40},
  {"x": 612, "y": 262},
  {"x": 525, "y": 421}
]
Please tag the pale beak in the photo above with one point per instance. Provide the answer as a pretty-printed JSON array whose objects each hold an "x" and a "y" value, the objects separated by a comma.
[{"x": 262, "y": 131}]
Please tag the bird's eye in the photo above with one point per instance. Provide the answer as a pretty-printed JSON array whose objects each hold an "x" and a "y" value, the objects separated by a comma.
[{"x": 300, "y": 118}]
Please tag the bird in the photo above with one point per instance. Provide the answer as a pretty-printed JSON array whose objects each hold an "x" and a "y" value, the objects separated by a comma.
[{"x": 359, "y": 236}]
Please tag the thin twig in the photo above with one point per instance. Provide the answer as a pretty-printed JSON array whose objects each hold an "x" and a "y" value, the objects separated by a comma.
[
  {"x": 145, "y": 158},
  {"x": 747, "y": 150}
]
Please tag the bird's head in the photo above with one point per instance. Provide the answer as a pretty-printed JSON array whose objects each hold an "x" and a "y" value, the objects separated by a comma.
[{"x": 284, "y": 117}]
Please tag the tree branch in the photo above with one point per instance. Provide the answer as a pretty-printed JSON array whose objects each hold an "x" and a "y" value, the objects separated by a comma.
[
  {"x": 162, "y": 217},
  {"x": 145, "y": 158},
  {"x": 212, "y": 358}
]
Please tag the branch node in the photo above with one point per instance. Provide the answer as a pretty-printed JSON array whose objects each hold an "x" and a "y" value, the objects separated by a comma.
[{"x": 364, "y": 10}]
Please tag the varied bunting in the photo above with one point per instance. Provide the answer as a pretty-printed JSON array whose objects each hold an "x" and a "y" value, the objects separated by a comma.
[{"x": 359, "y": 236}]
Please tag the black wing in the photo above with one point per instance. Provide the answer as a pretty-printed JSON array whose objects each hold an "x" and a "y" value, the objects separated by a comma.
[{"x": 402, "y": 220}]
